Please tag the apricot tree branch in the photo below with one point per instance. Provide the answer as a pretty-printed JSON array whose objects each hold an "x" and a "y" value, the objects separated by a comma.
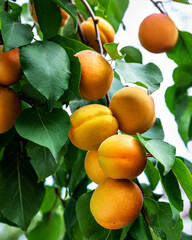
[
  {"x": 6, "y": 6},
  {"x": 95, "y": 21},
  {"x": 157, "y": 6}
]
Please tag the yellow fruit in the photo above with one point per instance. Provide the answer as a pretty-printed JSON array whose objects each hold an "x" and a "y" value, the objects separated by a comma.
[
  {"x": 158, "y": 33},
  {"x": 91, "y": 125},
  {"x": 122, "y": 157},
  {"x": 10, "y": 108},
  {"x": 96, "y": 75},
  {"x": 106, "y": 31},
  {"x": 116, "y": 203},
  {"x": 92, "y": 167},
  {"x": 10, "y": 67},
  {"x": 134, "y": 110}
]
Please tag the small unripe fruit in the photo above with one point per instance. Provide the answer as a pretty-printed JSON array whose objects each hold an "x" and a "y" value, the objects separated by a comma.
[
  {"x": 134, "y": 110},
  {"x": 122, "y": 157},
  {"x": 96, "y": 75},
  {"x": 10, "y": 108},
  {"x": 92, "y": 167},
  {"x": 91, "y": 125},
  {"x": 158, "y": 33},
  {"x": 116, "y": 203},
  {"x": 106, "y": 31},
  {"x": 10, "y": 67}
]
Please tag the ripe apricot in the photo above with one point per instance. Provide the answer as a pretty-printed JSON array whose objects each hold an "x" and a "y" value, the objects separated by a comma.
[
  {"x": 92, "y": 167},
  {"x": 122, "y": 157},
  {"x": 116, "y": 203},
  {"x": 158, "y": 33},
  {"x": 134, "y": 110},
  {"x": 96, "y": 75},
  {"x": 10, "y": 108},
  {"x": 91, "y": 125},
  {"x": 106, "y": 31},
  {"x": 32, "y": 11},
  {"x": 10, "y": 67}
]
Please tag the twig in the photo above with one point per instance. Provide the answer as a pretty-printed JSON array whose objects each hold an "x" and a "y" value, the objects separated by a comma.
[
  {"x": 157, "y": 6},
  {"x": 83, "y": 39},
  {"x": 108, "y": 99},
  {"x": 59, "y": 196},
  {"x": 149, "y": 155},
  {"x": 95, "y": 21},
  {"x": 6, "y": 6}
]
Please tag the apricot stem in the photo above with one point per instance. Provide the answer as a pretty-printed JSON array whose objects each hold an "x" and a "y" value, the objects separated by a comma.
[
  {"x": 6, "y": 5},
  {"x": 95, "y": 21},
  {"x": 84, "y": 40},
  {"x": 157, "y": 6}
]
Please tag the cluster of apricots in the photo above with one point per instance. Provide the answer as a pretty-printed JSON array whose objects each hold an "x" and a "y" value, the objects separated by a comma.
[
  {"x": 10, "y": 73},
  {"x": 112, "y": 159}
]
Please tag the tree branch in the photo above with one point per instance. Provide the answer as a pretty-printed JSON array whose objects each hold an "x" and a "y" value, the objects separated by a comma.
[
  {"x": 6, "y": 6},
  {"x": 157, "y": 6},
  {"x": 95, "y": 21}
]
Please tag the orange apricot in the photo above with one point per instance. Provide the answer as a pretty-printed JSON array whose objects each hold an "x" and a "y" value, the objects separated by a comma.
[
  {"x": 10, "y": 108},
  {"x": 116, "y": 203},
  {"x": 134, "y": 110},
  {"x": 91, "y": 125},
  {"x": 158, "y": 33},
  {"x": 31, "y": 7},
  {"x": 10, "y": 67},
  {"x": 122, "y": 157},
  {"x": 106, "y": 31},
  {"x": 92, "y": 167},
  {"x": 96, "y": 75}
]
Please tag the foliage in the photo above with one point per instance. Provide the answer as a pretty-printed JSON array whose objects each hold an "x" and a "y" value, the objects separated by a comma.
[{"x": 38, "y": 146}]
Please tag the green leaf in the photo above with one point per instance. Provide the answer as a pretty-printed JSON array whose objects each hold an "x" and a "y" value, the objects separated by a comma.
[
  {"x": 174, "y": 194},
  {"x": 152, "y": 174},
  {"x": 163, "y": 220},
  {"x": 49, "y": 228},
  {"x": 182, "y": 1},
  {"x": 185, "y": 236},
  {"x": 87, "y": 223},
  {"x": 116, "y": 12},
  {"x": 151, "y": 205},
  {"x": 68, "y": 7},
  {"x": 48, "y": 129},
  {"x": 49, "y": 17},
  {"x": 112, "y": 50},
  {"x": 42, "y": 161},
  {"x": 49, "y": 199},
  {"x": 184, "y": 177},
  {"x": 21, "y": 196},
  {"x": 156, "y": 131},
  {"x": 138, "y": 229},
  {"x": 148, "y": 76},
  {"x": 47, "y": 67},
  {"x": 131, "y": 54},
  {"x": 181, "y": 54},
  {"x": 14, "y": 34},
  {"x": 15, "y": 10},
  {"x": 116, "y": 85},
  {"x": 162, "y": 151},
  {"x": 70, "y": 214},
  {"x": 157, "y": 233}
]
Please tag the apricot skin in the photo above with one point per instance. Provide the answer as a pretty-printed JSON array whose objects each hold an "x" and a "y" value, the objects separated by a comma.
[
  {"x": 92, "y": 167},
  {"x": 158, "y": 33},
  {"x": 10, "y": 67},
  {"x": 91, "y": 125},
  {"x": 116, "y": 203},
  {"x": 134, "y": 110},
  {"x": 122, "y": 157},
  {"x": 10, "y": 108},
  {"x": 96, "y": 75},
  {"x": 106, "y": 31}
]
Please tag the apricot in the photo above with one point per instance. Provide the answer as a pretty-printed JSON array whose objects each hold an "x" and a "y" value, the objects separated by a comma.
[
  {"x": 31, "y": 7},
  {"x": 122, "y": 157},
  {"x": 96, "y": 75},
  {"x": 10, "y": 67},
  {"x": 158, "y": 33},
  {"x": 91, "y": 125},
  {"x": 134, "y": 110},
  {"x": 106, "y": 31},
  {"x": 10, "y": 108},
  {"x": 115, "y": 203},
  {"x": 92, "y": 167}
]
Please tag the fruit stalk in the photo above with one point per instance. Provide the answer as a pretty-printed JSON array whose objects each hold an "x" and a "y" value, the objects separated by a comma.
[
  {"x": 157, "y": 6},
  {"x": 95, "y": 21}
]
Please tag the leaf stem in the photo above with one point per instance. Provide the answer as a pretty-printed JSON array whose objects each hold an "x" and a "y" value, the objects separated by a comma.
[{"x": 95, "y": 21}]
